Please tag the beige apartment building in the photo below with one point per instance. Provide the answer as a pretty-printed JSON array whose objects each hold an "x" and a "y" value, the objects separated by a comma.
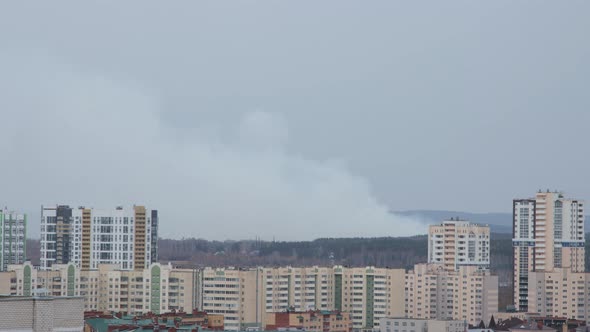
[
  {"x": 300, "y": 289},
  {"x": 456, "y": 243},
  {"x": 560, "y": 293},
  {"x": 248, "y": 297},
  {"x": 369, "y": 294},
  {"x": 158, "y": 289},
  {"x": 548, "y": 233},
  {"x": 432, "y": 292},
  {"x": 235, "y": 293}
]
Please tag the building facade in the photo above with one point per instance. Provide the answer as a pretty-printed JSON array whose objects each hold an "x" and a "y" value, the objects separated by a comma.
[
  {"x": 299, "y": 289},
  {"x": 432, "y": 292},
  {"x": 560, "y": 293},
  {"x": 369, "y": 294},
  {"x": 89, "y": 237},
  {"x": 235, "y": 293},
  {"x": 548, "y": 233},
  {"x": 157, "y": 289},
  {"x": 247, "y": 296},
  {"x": 456, "y": 243},
  {"x": 250, "y": 298},
  {"x": 13, "y": 238}
]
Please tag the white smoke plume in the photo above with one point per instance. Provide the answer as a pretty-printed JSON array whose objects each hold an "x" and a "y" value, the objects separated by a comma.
[{"x": 78, "y": 137}]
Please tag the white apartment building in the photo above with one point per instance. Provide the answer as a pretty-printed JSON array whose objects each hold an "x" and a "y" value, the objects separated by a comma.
[
  {"x": 89, "y": 237},
  {"x": 432, "y": 292},
  {"x": 456, "y": 243},
  {"x": 13, "y": 238},
  {"x": 548, "y": 233}
]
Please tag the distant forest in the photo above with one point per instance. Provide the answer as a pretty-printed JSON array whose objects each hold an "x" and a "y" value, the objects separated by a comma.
[{"x": 393, "y": 252}]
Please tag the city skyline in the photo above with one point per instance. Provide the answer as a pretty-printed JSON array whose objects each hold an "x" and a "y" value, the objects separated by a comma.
[{"x": 500, "y": 221}]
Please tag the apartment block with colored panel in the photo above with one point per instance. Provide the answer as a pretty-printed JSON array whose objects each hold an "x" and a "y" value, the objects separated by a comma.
[
  {"x": 13, "y": 238},
  {"x": 157, "y": 289},
  {"x": 548, "y": 234},
  {"x": 88, "y": 237},
  {"x": 369, "y": 294}
]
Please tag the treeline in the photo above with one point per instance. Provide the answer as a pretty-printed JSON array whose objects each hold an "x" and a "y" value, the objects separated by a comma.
[
  {"x": 400, "y": 252},
  {"x": 391, "y": 252}
]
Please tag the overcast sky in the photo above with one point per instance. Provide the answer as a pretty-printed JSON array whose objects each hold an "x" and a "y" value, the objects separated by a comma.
[{"x": 293, "y": 119}]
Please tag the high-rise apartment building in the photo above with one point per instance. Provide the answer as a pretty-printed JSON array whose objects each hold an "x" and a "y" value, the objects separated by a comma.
[
  {"x": 457, "y": 243},
  {"x": 13, "y": 238},
  {"x": 548, "y": 233},
  {"x": 432, "y": 292},
  {"x": 88, "y": 237}
]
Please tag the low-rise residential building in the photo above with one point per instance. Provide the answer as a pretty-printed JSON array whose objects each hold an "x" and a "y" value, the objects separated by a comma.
[
  {"x": 432, "y": 292},
  {"x": 313, "y": 321},
  {"x": 173, "y": 321},
  {"x": 24, "y": 313},
  {"x": 532, "y": 327},
  {"x": 421, "y": 325}
]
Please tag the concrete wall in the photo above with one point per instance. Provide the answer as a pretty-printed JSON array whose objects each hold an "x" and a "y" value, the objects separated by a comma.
[{"x": 45, "y": 314}]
